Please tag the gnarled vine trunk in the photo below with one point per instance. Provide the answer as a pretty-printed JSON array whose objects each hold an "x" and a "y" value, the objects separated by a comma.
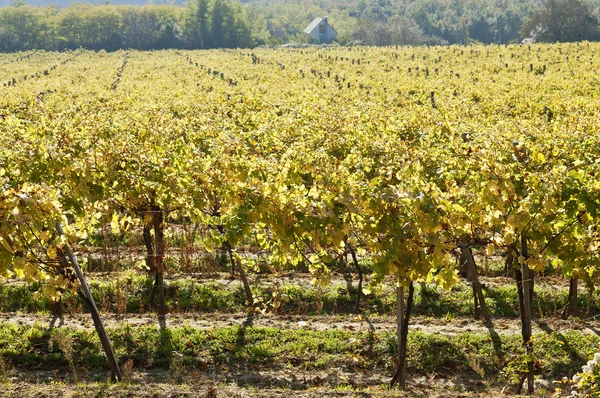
[{"x": 571, "y": 307}]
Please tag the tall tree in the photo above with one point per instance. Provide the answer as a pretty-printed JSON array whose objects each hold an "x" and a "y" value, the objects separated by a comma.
[
  {"x": 24, "y": 27},
  {"x": 562, "y": 21},
  {"x": 217, "y": 33},
  {"x": 507, "y": 27},
  {"x": 481, "y": 31},
  {"x": 202, "y": 21}
]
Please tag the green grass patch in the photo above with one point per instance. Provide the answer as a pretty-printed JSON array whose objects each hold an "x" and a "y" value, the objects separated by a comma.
[
  {"x": 248, "y": 348},
  {"x": 131, "y": 294}
]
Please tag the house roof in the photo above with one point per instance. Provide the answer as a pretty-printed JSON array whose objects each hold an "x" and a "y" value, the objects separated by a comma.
[{"x": 313, "y": 25}]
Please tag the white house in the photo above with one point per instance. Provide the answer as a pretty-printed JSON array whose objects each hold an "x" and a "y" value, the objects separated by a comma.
[{"x": 320, "y": 29}]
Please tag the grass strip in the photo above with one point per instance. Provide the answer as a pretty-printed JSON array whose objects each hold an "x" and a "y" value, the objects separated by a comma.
[
  {"x": 269, "y": 349},
  {"x": 131, "y": 294}
]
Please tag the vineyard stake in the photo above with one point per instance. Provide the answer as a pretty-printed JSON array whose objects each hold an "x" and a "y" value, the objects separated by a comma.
[
  {"x": 524, "y": 278},
  {"x": 399, "y": 331},
  {"x": 104, "y": 339},
  {"x": 571, "y": 306},
  {"x": 243, "y": 276},
  {"x": 477, "y": 290},
  {"x": 527, "y": 287},
  {"x": 403, "y": 319},
  {"x": 159, "y": 242},
  {"x": 360, "y": 280}
]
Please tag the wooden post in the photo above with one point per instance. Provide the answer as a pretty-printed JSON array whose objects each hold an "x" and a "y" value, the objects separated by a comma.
[
  {"x": 104, "y": 339},
  {"x": 463, "y": 266},
  {"x": 526, "y": 287},
  {"x": 509, "y": 263},
  {"x": 159, "y": 241},
  {"x": 243, "y": 275},
  {"x": 477, "y": 289},
  {"x": 402, "y": 330},
  {"x": 360, "y": 280},
  {"x": 571, "y": 306},
  {"x": 399, "y": 331},
  {"x": 149, "y": 248},
  {"x": 573, "y": 287}
]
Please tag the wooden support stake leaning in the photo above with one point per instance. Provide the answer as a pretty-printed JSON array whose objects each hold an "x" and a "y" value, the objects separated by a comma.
[
  {"x": 116, "y": 374},
  {"x": 477, "y": 289}
]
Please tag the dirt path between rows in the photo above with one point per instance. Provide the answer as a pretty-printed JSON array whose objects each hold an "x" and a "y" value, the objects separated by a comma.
[
  {"x": 315, "y": 385},
  {"x": 427, "y": 325}
]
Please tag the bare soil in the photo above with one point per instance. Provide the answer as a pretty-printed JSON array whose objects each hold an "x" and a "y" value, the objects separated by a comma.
[
  {"x": 264, "y": 384},
  {"x": 317, "y": 322}
]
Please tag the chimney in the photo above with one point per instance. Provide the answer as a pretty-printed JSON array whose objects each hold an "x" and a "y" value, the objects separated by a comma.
[{"x": 325, "y": 19}]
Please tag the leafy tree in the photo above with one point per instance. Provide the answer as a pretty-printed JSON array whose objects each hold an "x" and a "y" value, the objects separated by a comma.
[
  {"x": 480, "y": 30},
  {"x": 216, "y": 25},
  {"x": 25, "y": 27},
  {"x": 197, "y": 25},
  {"x": 219, "y": 13},
  {"x": 103, "y": 25},
  {"x": 169, "y": 38},
  {"x": 202, "y": 20},
  {"x": 562, "y": 21},
  {"x": 72, "y": 27},
  {"x": 397, "y": 30},
  {"x": 507, "y": 27},
  {"x": 140, "y": 28}
]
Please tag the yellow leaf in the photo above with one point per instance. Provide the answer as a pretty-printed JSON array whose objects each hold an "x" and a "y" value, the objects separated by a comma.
[
  {"x": 44, "y": 236},
  {"x": 549, "y": 204},
  {"x": 51, "y": 252},
  {"x": 114, "y": 224},
  {"x": 447, "y": 278},
  {"x": 513, "y": 221},
  {"x": 540, "y": 157},
  {"x": 458, "y": 208}
]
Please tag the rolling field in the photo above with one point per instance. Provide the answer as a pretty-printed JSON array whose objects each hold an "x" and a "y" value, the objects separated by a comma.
[{"x": 248, "y": 221}]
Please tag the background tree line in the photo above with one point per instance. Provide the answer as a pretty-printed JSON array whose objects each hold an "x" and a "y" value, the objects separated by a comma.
[
  {"x": 389, "y": 22},
  {"x": 206, "y": 24},
  {"x": 229, "y": 24}
]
